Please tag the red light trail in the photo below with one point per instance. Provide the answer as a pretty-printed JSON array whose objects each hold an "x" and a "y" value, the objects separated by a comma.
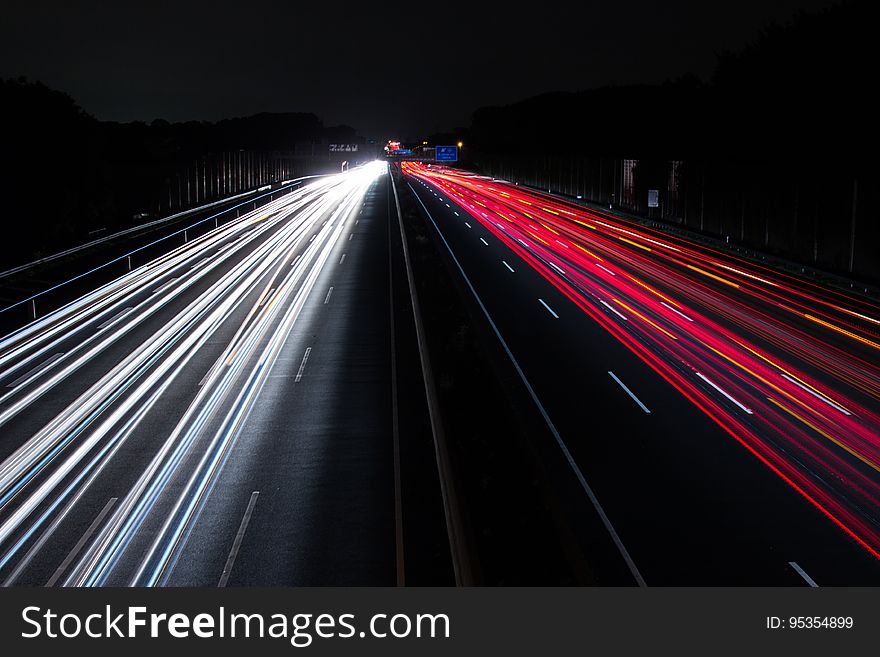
[{"x": 787, "y": 367}]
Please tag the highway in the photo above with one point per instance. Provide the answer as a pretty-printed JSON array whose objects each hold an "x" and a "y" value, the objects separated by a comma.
[
  {"x": 220, "y": 416},
  {"x": 721, "y": 417}
]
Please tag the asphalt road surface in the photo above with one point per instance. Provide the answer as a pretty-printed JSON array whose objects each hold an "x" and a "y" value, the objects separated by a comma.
[
  {"x": 219, "y": 416},
  {"x": 721, "y": 417}
]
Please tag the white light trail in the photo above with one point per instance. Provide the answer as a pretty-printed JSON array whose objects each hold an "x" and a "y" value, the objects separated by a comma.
[{"x": 53, "y": 468}]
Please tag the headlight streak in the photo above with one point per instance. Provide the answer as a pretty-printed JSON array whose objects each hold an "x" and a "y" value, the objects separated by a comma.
[
  {"x": 208, "y": 469},
  {"x": 37, "y": 452},
  {"x": 26, "y": 336},
  {"x": 29, "y": 453},
  {"x": 107, "y": 550},
  {"x": 76, "y": 446},
  {"x": 53, "y": 334},
  {"x": 704, "y": 320}
]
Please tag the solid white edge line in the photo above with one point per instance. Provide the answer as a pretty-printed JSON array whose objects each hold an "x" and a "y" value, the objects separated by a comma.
[
  {"x": 549, "y": 309},
  {"x": 800, "y": 571},
  {"x": 606, "y": 522},
  {"x": 629, "y": 392}
]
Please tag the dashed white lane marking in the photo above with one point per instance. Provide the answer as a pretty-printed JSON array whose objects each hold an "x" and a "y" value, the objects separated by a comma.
[
  {"x": 165, "y": 287},
  {"x": 817, "y": 395},
  {"x": 678, "y": 312},
  {"x": 614, "y": 310},
  {"x": 32, "y": 373},
  {"x": 302, "y": 365},
  {"x": 217, "y": 363},
  {"x": 114, "y": 318},
  {"x": 239, "y": 536},
  {"x": 725, "y": 393},
  {"x": 606, "y": 521},
  {"x": 557, "y": 268},
  {"x": 81, "y": 543}
]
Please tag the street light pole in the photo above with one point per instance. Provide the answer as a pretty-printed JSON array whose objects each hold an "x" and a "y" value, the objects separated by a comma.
[{"x": 852, "y": 231}]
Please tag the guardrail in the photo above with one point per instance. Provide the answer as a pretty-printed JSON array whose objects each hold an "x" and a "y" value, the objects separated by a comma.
[
  {"x": 122, "y": 233},
  {"x": 285, "y": 186},
  {"x": 766, "y": 258}
]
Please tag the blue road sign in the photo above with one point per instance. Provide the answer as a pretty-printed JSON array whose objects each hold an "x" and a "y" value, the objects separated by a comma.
[
  {"x": 446, "y": 153},
  {"x": 402, "y": 151}
]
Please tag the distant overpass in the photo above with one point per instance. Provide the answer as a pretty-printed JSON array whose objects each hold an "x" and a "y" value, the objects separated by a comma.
[{"x": 419, "y": 153}]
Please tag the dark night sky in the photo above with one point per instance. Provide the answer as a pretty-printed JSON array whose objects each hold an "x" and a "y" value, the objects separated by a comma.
[{"x": 385, "y": 68}]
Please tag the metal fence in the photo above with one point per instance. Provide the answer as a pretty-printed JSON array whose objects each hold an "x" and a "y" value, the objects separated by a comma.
[
  {"x": 822, "y": 214},
  {"x": 31, "y": 307}
]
